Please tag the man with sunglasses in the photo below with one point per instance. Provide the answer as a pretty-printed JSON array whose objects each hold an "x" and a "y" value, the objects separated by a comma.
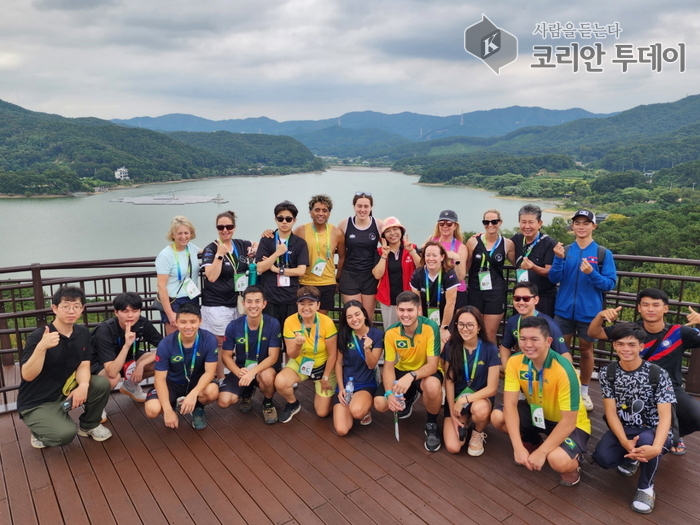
[
  {"x": 525, "y": 301},
  {"x": 282, "y": 260}
]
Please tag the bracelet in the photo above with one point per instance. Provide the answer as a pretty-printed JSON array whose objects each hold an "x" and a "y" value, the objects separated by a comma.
[
  {"x": 388, "y": 393},
  {"x": 325, "y": 378},
  {"x": 385, "y": 258}
]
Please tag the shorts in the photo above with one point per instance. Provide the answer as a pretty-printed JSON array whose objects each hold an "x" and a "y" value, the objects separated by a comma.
[
  {"x": 96, "y": 368},
  {"x": 294, "y": 365},
  {"x": 327, "y": 296},
  {"x": 569, "y": 327},
  {"x": 175, "y": 304},
  {"x": 488, "y": 302},
  {"x": 215, "y": 319},
  {"x": 415, "y": 385},
  {"x": 230, "y": 384},
  {"x": 462, "y": 299},
  {"x": 176, "y": 390},
  {"x": 371, "y": 389},
  {"x": 447, "y": 412},
  {"x": 546, "y": 305},
  {"x": 358, "y": 283}
]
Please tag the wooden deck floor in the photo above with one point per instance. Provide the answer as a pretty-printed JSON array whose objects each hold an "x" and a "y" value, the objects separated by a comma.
[{"x": 239, "y": 470}]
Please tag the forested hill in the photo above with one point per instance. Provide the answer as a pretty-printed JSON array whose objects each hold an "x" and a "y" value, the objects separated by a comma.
[{"x": 50, "y": 154}]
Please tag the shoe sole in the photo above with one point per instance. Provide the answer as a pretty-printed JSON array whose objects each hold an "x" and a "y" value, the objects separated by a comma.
[
  {"x": 295, "y": 412},
  {"x": 38, "y": 447},
  {"x": 626, "y": 473},
  {"x": 84, "y": 433},
  {"x": 132, "y": 396},
  {"x": 364, "y": 422},
  {"x": 475, "y": 453},
  {"x": 435, "y": 450},
  {"x": 569, "y": 484}
]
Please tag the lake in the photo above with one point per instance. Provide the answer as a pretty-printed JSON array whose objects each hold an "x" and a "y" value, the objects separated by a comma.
[{"x": 88, "y": 228}]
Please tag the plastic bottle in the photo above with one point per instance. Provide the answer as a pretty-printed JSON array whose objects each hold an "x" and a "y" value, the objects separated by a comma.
[
  {"x": 252, "y": 274},
  {"x": 349, "y": 390},
  {"x": 400, "y": 399}
]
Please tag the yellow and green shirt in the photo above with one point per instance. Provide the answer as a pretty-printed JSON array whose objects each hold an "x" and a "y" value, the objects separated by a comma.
[
  {"x": 293, "y": 324},
  {"x": 411, "y": 353}
]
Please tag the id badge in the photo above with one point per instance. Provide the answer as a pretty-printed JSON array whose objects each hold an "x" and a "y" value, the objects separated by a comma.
[
  {"x": 537, "y": 413},
  {"x": 319, "y": 267},
  {"x": 485, "y": 281},
  {"x": 521, "y": 276},
  {"x": 434, "y": 315},
  {"x": 250, "y": 364},
  {"x": 466, "y": 391},
  {"x": 283, "y": 280},
  {"x": 307, "y": 366},
  {"x": 190, "y": 288},
  {"x": 128, "y": 369},
  {"x": 240, "y": 282}
]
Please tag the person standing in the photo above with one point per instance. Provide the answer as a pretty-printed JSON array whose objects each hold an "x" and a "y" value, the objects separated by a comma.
[{"x": 448, "y": 233}]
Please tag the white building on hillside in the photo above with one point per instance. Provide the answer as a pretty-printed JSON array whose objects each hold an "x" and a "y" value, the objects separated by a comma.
[{"x": 121, "y": 174}]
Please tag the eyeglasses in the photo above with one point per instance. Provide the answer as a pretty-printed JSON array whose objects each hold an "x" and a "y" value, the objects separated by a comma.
[
  {"x": 222, "y": 227},
  {"x": 362, "y": 194},
  {"x": 468, "y": 326},
  {"x": 284, "y": 219},
  {"x": 71, "y": 307},
  {"x": 494, "y": 222},
  {"x": 523, "y": 298},
  {"x": 445, "y": 223}
]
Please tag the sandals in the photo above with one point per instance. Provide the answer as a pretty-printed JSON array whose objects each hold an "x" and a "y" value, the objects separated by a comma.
[
  {"x": 645, "y": 499},
  {"x": 679, "y": 449}
]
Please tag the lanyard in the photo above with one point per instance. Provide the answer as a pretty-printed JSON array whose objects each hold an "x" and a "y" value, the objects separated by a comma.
[
  {"x": 529, "y": 250},
  {"x": 177, "y": 261},
  {"x": 470, "y": 377},
  {"x": 194, "y": 355},
  {"x": 260, "y": 331},
  {"x": 133, "y": 345},
  {"x": 286, "y": 254},
  {"x": 484, "y": 258},
  {"x": 328, "y": 242},
  {"x": 540, "y": 381},
  {"x": 360, "y": 350},
  {"x": 427, "y": 288},
  {"x": 316, "y": 328},
  {"x": 234, "y": 263}
]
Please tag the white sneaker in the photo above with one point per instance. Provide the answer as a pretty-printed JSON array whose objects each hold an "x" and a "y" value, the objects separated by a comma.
[
  {"x": 36, "y": 443},
  {"x": 476, "y": 443},
  {"x": 99, "y": 433},
  {"x": 587, "y": 402},
  {"x": 103, "y": 419},
  {"x": 134, "y": 391}
]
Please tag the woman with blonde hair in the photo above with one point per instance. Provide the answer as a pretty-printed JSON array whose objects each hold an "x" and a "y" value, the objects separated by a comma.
[{"x": 448, "y": 233}]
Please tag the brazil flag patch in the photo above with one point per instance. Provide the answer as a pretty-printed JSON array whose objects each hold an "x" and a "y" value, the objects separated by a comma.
[{"x": 401, "y": 343}]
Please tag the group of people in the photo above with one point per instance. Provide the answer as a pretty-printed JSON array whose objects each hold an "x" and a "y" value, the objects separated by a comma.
[{"x": 263, "y": 324}]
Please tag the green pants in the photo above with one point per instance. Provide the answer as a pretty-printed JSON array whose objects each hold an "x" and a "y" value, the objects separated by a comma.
[{"x": 51, "y": 425}]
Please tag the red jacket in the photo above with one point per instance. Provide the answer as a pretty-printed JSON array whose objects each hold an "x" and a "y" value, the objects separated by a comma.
[{"x": 407, "y": 269}]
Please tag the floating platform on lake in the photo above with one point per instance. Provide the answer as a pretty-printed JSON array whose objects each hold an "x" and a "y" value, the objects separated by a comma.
[{"x": 172, "y": 200}]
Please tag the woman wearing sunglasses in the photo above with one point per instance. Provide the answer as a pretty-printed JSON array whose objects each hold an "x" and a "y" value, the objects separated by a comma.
[
  {"x": 471, "y": 381},
  {"x": 488, "y": 289},
  {"x": 225, "y": 263},
  {"x": 355, "y": 279},
  {"x": 448, "y": 233}
]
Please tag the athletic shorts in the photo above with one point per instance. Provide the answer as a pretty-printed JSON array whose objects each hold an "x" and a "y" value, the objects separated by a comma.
[
  {"x": 447, "y": 412},
  {"x": 215, "y": 319},
  {"x": 569, "y": 327},
  {"x": 327, "y": 296},
  {"x": 176, "y": 390},
  {"x": 175, "y": 304},
  {"x": 371, "y": 389},
  {"x": 415, "y": 385},
  {"x": 358, "y": 283},
  {"x": 294, "y": 365},
  {"x": 488, "y": 302},
  {"x": 230, "y": 384}
]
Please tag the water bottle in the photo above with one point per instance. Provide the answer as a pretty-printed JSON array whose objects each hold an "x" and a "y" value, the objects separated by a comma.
[
  {"x": 400, "y": 399},
  {"x": 252, "y": 273},
  {"x": 349, "y": 390}
]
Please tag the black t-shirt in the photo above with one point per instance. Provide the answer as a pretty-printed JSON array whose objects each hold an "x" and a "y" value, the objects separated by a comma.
[
  {"x": 673, "y": 341},
  {"x": 59, "y": 363},
  {"x": 395, "y": 269},
  {"x": 361, "y": 246},
  {"x": 108, "y": 340},
  {"x": 297, "y": 255},
  {"x": 222, "y": 292},
  {"x": 494, "y": 264},
  {"x": 418, "y": 282},
  {"x": 542, "y": 254}
]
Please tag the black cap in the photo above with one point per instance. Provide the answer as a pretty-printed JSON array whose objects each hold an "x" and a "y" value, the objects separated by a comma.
[
  {"x": 448, "y": 215},
  {"x": 588, "y": 214}
]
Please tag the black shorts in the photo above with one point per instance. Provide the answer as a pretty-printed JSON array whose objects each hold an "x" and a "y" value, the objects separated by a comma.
[
  {"x": 371, "y": 389},
  {"x": 176, "y": 390},
  {"x": 488, "y": 302},
  {"x": 358, "y": 283},
  {"x": 230, "y": 384},
  {"x": 546, "y": 305},
  {"x": 415, "y": 385},
  {"x": 327, "y": 296},
  {"x": 175, "y": 304}
]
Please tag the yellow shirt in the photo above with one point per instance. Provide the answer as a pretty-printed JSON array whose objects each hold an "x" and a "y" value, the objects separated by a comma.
[
  {"x": 411, "y": 353},
  {"x": 326, "y": 330},
  {"x": 320, "y": 249},
  {"x": 561, "y": 390}
]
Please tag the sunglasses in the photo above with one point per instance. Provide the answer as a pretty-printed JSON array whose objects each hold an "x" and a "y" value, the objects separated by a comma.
[
  {"x": 284, "y": 219},
  {"x": 523, "y": 298},
  {"x": 445, "y": 223},
  {"x": 222, "y": 227},
  {"x": 362, "y": 194},
  {"x": 494, "y": 222}
]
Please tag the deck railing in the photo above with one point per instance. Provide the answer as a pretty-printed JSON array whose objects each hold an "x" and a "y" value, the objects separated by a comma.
[{"x": 25, "y": 303}]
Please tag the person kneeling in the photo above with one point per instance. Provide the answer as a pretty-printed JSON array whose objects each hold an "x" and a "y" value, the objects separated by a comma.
[
  {"x": 185, "y": 370},
  {"x": 637, "y": 397},
  {"x": 256, "y": 340},
  {"x": 552, "y": 406}
]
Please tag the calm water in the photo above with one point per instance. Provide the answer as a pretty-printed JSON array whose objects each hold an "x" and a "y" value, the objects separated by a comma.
[{"x": 87, "y": 228}]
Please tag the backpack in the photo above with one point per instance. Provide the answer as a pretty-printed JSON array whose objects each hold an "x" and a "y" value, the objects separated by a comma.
[{"x": 654, "y": 373}]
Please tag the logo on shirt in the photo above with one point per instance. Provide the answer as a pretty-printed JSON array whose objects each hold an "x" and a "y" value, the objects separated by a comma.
[
  {"x": 176, "y": 359},
  {"x": 351, "y": 236},
  {"x": 499, "y": 257},
  {"x": 240, "y": 340},
  {"x": 372, "y": 237},
  {"x": 665, "y": 343},
  {"x": 570, "y": 443},
  {"x": 525, "y": 375},
  {"x": 402, "y": 343}
]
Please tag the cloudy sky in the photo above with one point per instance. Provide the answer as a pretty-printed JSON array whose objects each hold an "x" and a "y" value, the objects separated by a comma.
[{"x": 312, "y": 59}]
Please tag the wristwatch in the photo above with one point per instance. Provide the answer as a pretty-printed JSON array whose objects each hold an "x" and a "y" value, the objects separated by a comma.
[
  {"x": 445, "y": 327},
  {"x": 415, "y": 376}
]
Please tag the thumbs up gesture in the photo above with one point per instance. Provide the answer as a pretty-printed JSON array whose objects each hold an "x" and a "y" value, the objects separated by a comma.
[{"x": 49, "y": 339}]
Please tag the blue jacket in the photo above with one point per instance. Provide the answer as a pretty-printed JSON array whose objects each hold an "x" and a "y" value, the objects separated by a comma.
[{"x": 580, "y": 295}]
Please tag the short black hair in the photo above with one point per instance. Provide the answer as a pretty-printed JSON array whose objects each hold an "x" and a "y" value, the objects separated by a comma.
[
  {"x": 408, "y": 297},
  {"x": 532, "y": 287},
  {"x": 254, "y": 288},
  {"x": 627, "y": 329},
  {"x": 652, "y": 293},
  {"x": 127, "y": 299},
  {"x": 189, "y": 308},
  {"x": 536, "y": 321},
  {"x": 68, "y": 293},
  {"x": 287, "y": 206}
]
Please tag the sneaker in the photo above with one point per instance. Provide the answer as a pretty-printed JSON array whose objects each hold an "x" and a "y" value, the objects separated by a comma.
[
  {"x": 569, "y": 479},
  {"x": 288, "y": 412},
  {"x": 199, "y": 418},
  {"x": 134, "y": 391},
  {"x": 36, "y": 443},
  {"x": 628, "y": 468},
  {"x": 367, "y": 420},
  {"x": 432, "y": 438},
  {"x": 270, "y": 414},
  {"x": 406, "y": 412},
  {"x": 476, "y": 443},
  {"x": 99, "y": 433},
  {"x": 103, "y": 419},
  {"x": 245, "y": 404},
  {"x": 587, "y": 402}
]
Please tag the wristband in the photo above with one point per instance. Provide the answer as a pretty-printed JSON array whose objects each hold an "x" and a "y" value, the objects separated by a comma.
[{"x": 388, "y": 393}]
